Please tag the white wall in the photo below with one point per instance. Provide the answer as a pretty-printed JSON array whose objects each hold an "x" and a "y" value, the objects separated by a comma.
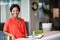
[{"x": 25, "y": 12}]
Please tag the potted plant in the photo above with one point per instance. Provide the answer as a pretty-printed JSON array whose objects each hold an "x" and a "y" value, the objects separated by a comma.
[
  {"x": 47, "y": 12},
  {"x": 47, "y": 26}
]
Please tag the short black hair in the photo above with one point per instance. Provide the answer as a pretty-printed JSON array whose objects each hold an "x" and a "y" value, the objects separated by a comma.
[{"x": 14, "y": 5}]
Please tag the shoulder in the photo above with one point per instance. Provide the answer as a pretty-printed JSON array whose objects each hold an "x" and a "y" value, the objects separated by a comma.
[
  {"x": 21, "y": 19},
  {"x": 9, "y": 20}
]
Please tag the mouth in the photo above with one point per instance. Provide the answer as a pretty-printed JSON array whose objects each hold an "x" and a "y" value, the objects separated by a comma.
[{"x": 14, "y": 15}]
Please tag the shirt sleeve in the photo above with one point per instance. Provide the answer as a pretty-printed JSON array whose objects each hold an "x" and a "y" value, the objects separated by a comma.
[{"x": 6, "y": 26}]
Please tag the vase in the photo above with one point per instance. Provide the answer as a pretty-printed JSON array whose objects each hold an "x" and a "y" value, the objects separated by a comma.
[{"x": 46, "y": 27}]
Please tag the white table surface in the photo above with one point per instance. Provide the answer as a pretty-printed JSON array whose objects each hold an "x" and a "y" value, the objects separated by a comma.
[{"x": 49, "y": 35}]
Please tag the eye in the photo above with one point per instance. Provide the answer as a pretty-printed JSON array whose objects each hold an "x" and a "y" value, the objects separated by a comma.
[
  {"x": 17, "y": 10},
  {"x": 13, "y": 10}
]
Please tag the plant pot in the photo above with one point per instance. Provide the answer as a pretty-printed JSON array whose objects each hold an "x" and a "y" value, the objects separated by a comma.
[{"x": 46, "y": 27}]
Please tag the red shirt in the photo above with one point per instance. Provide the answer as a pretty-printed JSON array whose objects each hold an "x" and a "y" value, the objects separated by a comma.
[{"x": 15, "y": 28}]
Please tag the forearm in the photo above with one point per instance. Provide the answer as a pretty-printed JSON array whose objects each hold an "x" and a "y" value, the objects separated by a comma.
[
  {"x": 12, "y": 36},
  {"x": 26, "y": 35},
  {"x": 8, "y": 33}
]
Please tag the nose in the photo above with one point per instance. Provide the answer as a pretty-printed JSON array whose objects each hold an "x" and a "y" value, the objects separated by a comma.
[{"x": 16, "y": 12}]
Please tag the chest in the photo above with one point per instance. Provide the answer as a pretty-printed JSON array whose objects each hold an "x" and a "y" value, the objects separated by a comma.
[{"x": 15, "y": 25}]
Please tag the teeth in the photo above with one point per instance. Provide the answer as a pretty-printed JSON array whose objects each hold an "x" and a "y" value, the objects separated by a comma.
[{"x": 14, "y": 14}]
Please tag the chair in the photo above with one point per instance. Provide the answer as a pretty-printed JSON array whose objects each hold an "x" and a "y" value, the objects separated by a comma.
[
  {"x": 8, "y": 38},
  {"x": 2, "y": 36},
  {"x": 38, "y": 32}
]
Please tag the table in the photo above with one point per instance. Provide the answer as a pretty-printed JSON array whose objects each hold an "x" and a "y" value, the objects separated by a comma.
[
  {"x": 45, "y": 35},
  {"x": 51, "y": 33}
]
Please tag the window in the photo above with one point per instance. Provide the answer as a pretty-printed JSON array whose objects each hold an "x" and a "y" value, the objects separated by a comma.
[{"x": 4, "y": 8}]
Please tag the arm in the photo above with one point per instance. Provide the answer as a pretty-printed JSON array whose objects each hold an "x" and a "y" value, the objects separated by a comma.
[
  {"x": 7, "y": 33},
  {"x": 6, "y": 30},
  {"x": 13, "y": 38}
]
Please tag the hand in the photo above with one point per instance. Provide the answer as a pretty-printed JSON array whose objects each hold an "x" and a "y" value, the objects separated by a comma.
[
  {"x": 10, "y": 35},
  {"x": 13, "y": 38}
]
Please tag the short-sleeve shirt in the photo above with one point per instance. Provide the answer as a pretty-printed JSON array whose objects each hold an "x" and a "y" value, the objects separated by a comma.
[{"x": 15, "y": 28}]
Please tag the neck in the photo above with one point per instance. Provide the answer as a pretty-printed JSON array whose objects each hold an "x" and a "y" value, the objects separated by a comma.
[{"x": 15, "y": 18}]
